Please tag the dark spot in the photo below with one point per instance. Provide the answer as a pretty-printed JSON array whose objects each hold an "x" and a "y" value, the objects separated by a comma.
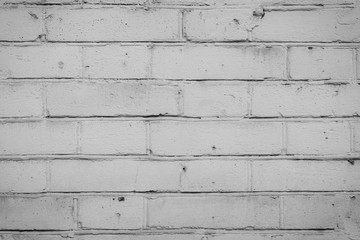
[
  {"x": 213, "y": 148},
  {"x": 352, "y": 162},
  {"x": 352, "y": 197},
  {"x": 184, "y": 168},
  {"x": 259, "y": 13},
  {"x": 61, "y": 64},
  {"x": 34, "y": 15},
  {"x": 310, "y": 48},
  {"x": 236, "y": 21},
  {"x": 121, "y": 199}
]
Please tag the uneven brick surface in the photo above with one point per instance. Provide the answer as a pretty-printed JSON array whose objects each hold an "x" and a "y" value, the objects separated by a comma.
[{"x": 179, "y": 119}]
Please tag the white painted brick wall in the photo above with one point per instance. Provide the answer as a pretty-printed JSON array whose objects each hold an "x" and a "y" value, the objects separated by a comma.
[{"x": 179, "y": 119}]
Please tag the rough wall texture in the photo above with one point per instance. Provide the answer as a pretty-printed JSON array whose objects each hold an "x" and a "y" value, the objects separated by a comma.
[{"x": 179, "y": 119}]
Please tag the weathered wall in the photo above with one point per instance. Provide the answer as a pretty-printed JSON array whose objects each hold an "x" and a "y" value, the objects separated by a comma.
[{"x": 180, "y": 119}]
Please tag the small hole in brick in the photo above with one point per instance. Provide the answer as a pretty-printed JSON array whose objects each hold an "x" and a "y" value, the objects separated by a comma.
[
  {"x": 121, "y": 199},
  {"x": 213, "y": 148},
  {"x": 184, "y": 168},
  {"x": 310, "y": 48}
]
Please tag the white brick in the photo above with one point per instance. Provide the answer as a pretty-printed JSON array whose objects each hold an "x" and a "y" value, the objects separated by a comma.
[
  {"x": 40, "y": 61},
  {"x": 284, "y": 175},
  {"x": 82, "y": 176},
  {"x": 113, "y": 137},
  {"x": 39, "y": 2},
  {"x": 116, "y": 2},
  {"x": 111, "y": 99},
  {"x": 20, "y": 100},
  {"x": 318, "y": 138},
  {"x": 215, "y": 176},
  {"x": 310, "y": 212},
  {"x": 112, "y": 24},
  {"x": 356, "y": 127},
  {"x": 20, "y": 24},
  {"x": 151, "y": 236},
  {"x": 111, "y": 212},
  {"x": 326, "y": 25},
  {"x": 358, "y": 63},
  {"x": 218, "y": 25},
  {"x": 310, "y": 236},
  {"x": 115, "y": 61},
  {"x": 252, "y": 3},
  {"x": 22, "y": 176},
  {"x": 159, "y": 176},
  {"x": 47, "y": 137},
  {"x": 30, "y": 236},
  {"x": 320, "y": 63},
  {"x": 214, "y": 212},
  {"x": 215, "y": 99},
  {"x": 305, "y": 100},
  {"x": 215, "y": 138},
  {"x": 36, "y": 213},
  {"x": 218, "y": 62}
]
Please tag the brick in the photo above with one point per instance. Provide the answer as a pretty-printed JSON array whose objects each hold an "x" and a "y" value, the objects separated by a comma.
[
  {"x": 214, "y": 176},
  {"x": 272, "y": 100},
  {"x": 214, "y": 212},
  {"x": 285, "y": 175},
  {"x": 311, "y": 236},
  {"x": 115, "y": 61},
  {"x": 39, "y": 2},
  {"x": 113, "y": 137},
  {"x": 356, "y": 139},
  {"x": 318, "y": 138},
  {"x": 21, "y": 100},
  {"x": 18, "y": 213},
  {"x": 92, "y": 176},
  {"x": 112, "y": 24},
  {"x": 159, "y": 176},
  {"x": 320, "y": 63},
  {"x": 116, "y": 2},
  {"x": 218, "y": 62},
  {"x": 20, "y": 24},
  {"x": 358, "y": 63},
  {"x": 350, "y": 215},
  {"x": 21, "y": 176},
  {"x": 216, "y": 99},
  {"x": 328, "y": 25},
  {"x": 151, "y": 236},
  {"x": 310, "y": 212},
  {"x": 49, "y": 137},
  {"x": 215, "y": 138},
  {"x": 111, "y": 212},
  {"x": 218, "y": 25},
  {"x": 35, "y": 236},
  {"x": 43, "y": 61},
  {"x": 111, "y": 99},
  {"x": 251, "y": 3}
]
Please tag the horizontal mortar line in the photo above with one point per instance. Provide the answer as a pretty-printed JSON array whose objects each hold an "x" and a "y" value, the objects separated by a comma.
[
  {"x": 146, "y": 6},
  {"x": 344, "y": 44},
  {"x": 178, "y": 80},
  {"x": 166, "y": 231},
  {"x": 106, "y": 157},
  {"x": 155, "y": 194},
  {"x": 178, "y": 118},
  {"x": 166, "y": 81}
]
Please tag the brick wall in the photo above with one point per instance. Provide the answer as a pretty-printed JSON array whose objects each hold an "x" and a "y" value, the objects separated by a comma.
[{"x": 179, "y": 119}]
